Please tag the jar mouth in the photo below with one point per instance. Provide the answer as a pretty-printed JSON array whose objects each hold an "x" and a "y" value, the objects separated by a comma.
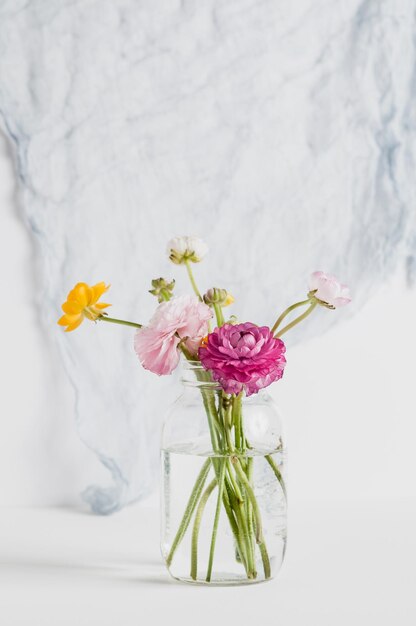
[
  {"x": 192, "y": 365},
  {"x": 195, "y": 375}
]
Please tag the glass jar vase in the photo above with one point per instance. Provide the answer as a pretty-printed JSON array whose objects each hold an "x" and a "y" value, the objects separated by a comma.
[{"x": 223, "y": 490}]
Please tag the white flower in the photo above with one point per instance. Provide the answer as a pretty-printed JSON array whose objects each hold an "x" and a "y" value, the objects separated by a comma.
[
  {"x": 328, "y": 291},
  {"x": 182, "y": 249}
]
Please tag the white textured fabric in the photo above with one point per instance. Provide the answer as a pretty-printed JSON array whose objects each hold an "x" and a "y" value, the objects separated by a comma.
[{"x": 282, "y": 133}]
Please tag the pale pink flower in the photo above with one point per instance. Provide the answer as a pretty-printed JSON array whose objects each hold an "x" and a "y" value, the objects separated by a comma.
[
  {"x": 157, "y": 343},
  {"x": 328, "y": 290}
]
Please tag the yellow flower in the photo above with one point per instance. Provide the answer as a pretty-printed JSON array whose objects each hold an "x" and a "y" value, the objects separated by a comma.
[
  {"x": 228, "y": 300},
  {"x": 82, "y": 302}
]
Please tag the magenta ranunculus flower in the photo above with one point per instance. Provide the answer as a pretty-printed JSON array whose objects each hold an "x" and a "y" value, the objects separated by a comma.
[
  {"x": 243, "y": 356},
  {"x": 156, "y": 344}
]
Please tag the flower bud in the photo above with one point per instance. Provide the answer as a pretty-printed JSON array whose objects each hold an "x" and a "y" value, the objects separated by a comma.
[
  {"x": 327, "y": 291},
  {"x": 183, "y": 249},
  {"x": 162, "y": 289},
  {"x": 218, "y": 296}
]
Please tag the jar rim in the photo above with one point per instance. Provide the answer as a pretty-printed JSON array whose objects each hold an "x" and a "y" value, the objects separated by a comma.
[
  {"x": 192, "y": 375},
  {"x": 189, "y": 364}
]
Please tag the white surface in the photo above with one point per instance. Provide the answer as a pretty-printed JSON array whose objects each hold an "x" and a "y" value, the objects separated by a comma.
[
  {"x": 283, "y": 132},
  {"x": 346, "y": 564}
]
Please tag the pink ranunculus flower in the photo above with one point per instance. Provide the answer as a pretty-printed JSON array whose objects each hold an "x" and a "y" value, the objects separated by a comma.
[
  {"x": 328, "y": 290},
  {"x": 243, "y": 357},
  {"x": 156, "y": 344}
]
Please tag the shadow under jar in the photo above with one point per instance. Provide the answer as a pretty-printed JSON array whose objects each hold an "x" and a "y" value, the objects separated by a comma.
[{"x": 223, "y": 491}]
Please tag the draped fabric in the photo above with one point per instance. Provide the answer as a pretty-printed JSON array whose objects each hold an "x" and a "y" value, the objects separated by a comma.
[{"x": 281, "y": 133}]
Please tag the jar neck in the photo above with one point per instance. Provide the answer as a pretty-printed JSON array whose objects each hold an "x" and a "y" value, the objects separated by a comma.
[{"x": 196, "y": 377}]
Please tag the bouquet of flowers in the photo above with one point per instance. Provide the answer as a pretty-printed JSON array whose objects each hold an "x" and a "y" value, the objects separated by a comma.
[{"x": 232, "y": 361}]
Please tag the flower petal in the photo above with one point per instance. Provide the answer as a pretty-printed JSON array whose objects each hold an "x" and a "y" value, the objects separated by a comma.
[
  {"x": 97, "y": 291},
  {"x": 74, "y": 325},
  {"x": 243, "y": 356},
  {"x": 80, "y": 293},
  {"x": 102, "y": 305},
  {"x": 71, "y": 307},
  {"x": 69, "y": 319}
]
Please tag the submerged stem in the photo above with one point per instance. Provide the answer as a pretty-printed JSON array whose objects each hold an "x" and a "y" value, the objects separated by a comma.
[
  {"x": 190, "y": 507},
  {"x": 249, "y": 507},
  {"x": 265, "y": 559},
  {"x": 233, "y": 476},
  {"x": 216, "y": 520},
  {"x": 250, "y": 494},
  {"x": 197, "y": 523},
  {"x": 246, "y": 554},
  {"x": 277, "y": 473}
]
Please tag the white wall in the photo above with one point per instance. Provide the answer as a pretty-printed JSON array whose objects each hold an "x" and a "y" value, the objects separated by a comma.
[
  {"x": 349, "y": 402},
  {"x": 42, "y": 460},
  {"x": 280, "y": 133},
  {"x": 348, "y": 396}
]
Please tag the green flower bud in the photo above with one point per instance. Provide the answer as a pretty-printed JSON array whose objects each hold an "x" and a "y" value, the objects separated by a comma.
[
  {"x": 218, "y": 296},
  {"x": 162, "y": 289}
]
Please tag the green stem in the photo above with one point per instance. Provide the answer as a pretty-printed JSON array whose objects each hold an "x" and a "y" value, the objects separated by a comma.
[
  {"x": 192, "y": 279},
  {"x": 249, "y": 511},
  {"x": 265, "y": 559},
  {"x": 233, "y": 489},
  {"x": 237, "y": 421},
  {"x": 286, "y": 312},
  {"x": 277, "y": 473},
  {"x": 229, "y": 441},
  {"x": 245, "y": 508},
  {"x": 234, "y": 493},
  {"x": 246, "y": 554},
  {"x": 208, "y": 400},
  {"x": 250, "y": 494},
  {"x": 218, "y": 314},
  {"x": 190, "y": 507},
  {"x": 247, "y": 541},
  {"x": 252, "y": 526},
  {"x": 232, "y": 503},
  {"x": 297, "y": 319},
  {"x": 113, "y": 320},
  {"x": 234, "y": 506},
  {"x": 249, "y": 507},
  {"x": 237, "y": 491},
  {"x": 197, "y": 524},
  {"x": 216, "y": 520},
  {"x": 195, "y": 287}
]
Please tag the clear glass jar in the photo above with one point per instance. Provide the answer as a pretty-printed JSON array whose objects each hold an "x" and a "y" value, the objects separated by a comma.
[{"x": 223, "y": 491}]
